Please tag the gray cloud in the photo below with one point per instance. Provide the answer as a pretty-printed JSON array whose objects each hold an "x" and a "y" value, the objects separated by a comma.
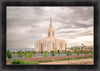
[{"x": 25, "y": 25}]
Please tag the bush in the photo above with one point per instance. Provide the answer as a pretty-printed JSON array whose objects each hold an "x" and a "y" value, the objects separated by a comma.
[
  {"x": 78, "y": 52},
  {"x": 28, "y": 54},
  {"x": 69, "y": 53},
  {"x": 52, "y": 53},
  {"x": 57, "y": 51},
  {"x": 14, "y": 52},
  {"x": 41, "y": 52},
  {"x": 17, "y": 61},
  {"x": 74, "y": 51},
  {"x": 34, "y": 52},
  {"x": 86, "y": 52},
  {"x": 45, "y": 55},
  {"x": 9, "y": 55},
  {"x": 92, "y": 53},
  {"x": 20, "y": 54}
]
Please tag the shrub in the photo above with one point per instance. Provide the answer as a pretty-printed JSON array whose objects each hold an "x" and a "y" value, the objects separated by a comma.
[
  {"x": 13, "y": 52},
  {"x": 72, "y": 48},
  {"x": 78, "y": 52},
  {"x": 20, "y": 54},
  {"x": 9, "y": 55},
  {"x": 41, "y": 52},
  {"x": 52, "y": 53},
  {"x": 86, "y": 52},
  {"x": 45, "y": 55},
  {"x": 69, "y": 53},
  {"x": 34, "y": 52},
  {"x": 92, "y": 53},
  {"x": 17, "y": 61},
  {"x": 23, "y": 52},
  {"x": 28, "y": 54},
  {"x": 57, "y": 51},
  {"x": 74, "y": 51}
]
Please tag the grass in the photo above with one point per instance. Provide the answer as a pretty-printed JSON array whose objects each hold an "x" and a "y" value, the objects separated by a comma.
[
  {"x": 73, "y": 58},
  {"x": 83, "y": 58},
  {"x": 63, "y": 59},
  {"x": 18, "y": 61},
  {"x": 45, "y": 61},
  {"x": 26, "y": 62}
]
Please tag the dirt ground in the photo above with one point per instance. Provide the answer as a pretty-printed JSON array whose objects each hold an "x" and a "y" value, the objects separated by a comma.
[
  {"x": 8, "y": 62},
  {"x": 34, "y": 59},
  {"x": 88, "y": 61}
]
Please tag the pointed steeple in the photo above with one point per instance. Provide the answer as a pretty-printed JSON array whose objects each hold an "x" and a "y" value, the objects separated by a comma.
[
  {"x": 51, "y": 30},
  {"x": 50, "y": 21}
]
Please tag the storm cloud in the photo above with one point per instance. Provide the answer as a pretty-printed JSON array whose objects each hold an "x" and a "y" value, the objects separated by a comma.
[{"x": 25, "y": 25}]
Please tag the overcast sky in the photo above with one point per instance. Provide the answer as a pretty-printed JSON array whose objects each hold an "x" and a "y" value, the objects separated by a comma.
[{"x": 25, "y": 25}]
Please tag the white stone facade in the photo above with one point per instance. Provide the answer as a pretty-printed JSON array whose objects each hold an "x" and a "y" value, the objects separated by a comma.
[{"x": 50, "y": 43}]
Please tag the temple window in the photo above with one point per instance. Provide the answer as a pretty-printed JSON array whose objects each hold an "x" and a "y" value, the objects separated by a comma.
[
  {"x": 49, "y": 33},
  {"x": 52, "y": 33},
  {"x": 41, "y": 47}
]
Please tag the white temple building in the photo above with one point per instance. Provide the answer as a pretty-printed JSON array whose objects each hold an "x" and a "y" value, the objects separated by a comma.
[{"x": 50, "y": 43}]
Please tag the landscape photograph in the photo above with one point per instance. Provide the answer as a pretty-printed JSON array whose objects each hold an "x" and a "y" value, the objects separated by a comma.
[{"x": 50, "y": 35}]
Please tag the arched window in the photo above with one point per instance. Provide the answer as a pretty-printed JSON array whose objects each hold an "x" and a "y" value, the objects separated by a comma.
[
  {"x": 49, "y": 33},
  {"x": 52, "y": 33},
  {"x": 41, "y": 47}
]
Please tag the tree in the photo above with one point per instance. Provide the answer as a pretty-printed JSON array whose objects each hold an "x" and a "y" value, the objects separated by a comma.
[
  {"x": 68, "y": 49},
  {"x": 41, "y": 52},
  {"x": 9, "y": 55},
  {"x": 91, "y": 49},
  {"x": 28, "y": 54},
  {"x": 92, "y": 52},
  {"x": 13, "y": 52},
  {"x": 69, "y": 53},
  {"x": 72, "y": 48},
  {"x": 57, "y": 51},
  {"x": 78, "y": 52},
  {"x": 86, "y": 52},
  {"x": 52, "y": 53},
  {"x": 20, "y": 53},
  {"x": 81, "y": 49},
  {"x": 45, "y": 55},
  {"x": 76, "y": 48}
]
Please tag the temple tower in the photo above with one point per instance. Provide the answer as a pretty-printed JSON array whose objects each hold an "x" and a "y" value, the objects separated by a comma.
[{"x": 51, "y": 30}]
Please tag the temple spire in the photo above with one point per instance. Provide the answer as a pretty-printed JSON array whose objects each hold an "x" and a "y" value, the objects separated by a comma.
[
  {"x": 50, "y": 20},
  {"x": 51, "y": 30}
]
